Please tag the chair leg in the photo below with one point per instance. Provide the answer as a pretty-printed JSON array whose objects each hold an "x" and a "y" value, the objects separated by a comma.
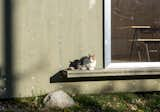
[
  {"x": 147, "y": 52},
  {"x": 139, "y": 56}
]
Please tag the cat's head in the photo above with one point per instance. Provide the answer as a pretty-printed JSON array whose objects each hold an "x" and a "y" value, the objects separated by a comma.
[{"x": 92, "y": 57}]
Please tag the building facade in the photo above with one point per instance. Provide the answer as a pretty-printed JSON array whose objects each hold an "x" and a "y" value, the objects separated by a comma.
[{"x": 48, "y": 34}]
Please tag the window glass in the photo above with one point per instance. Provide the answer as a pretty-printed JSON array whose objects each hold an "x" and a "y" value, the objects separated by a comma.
[{"x": 135, "y": 30}]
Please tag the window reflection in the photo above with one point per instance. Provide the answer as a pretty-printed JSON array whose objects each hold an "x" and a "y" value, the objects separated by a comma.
[{"x": 135, "y": 30}]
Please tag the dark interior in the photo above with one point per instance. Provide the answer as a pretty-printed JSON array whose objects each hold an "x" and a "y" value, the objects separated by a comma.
[{"x": 128, "y": 13}]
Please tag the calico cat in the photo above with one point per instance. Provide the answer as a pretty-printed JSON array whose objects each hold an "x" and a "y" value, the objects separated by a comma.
[{"x": 85, "y": 63}]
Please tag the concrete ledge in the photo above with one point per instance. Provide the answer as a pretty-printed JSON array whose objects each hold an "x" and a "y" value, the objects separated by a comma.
[
  {"x": 108, "y": 80},
  {"x": 114, "y": 72},
  {"x": 106, "y": 75}
]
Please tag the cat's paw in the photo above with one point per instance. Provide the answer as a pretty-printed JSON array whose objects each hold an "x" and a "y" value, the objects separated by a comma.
[
  {"x": 71, "y": 68},
  {"x": 83, "y": 68},
  {"x": 91, "y": 68}
]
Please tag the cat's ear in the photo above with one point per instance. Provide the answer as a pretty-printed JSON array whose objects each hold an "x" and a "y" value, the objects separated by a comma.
[
  {"x": 94, "y": 55},
  {"x": 91, "y": 55}
]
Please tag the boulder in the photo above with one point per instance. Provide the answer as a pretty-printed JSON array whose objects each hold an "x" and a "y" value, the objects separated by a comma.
[{"x": 58, "y": 99}]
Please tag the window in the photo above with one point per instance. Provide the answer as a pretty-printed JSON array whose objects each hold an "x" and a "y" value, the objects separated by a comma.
[{"x": 132, "y": 33}]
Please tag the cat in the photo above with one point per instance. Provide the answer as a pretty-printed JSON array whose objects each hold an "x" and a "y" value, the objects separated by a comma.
[
  {"x": 85, "y": 63},
  {"x": 76, "y": 64}
]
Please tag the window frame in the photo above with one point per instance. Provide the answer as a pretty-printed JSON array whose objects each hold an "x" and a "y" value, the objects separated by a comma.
[{"x": 107, "y": 44}]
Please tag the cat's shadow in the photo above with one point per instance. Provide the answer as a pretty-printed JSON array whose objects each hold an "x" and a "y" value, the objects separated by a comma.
[{"x": 60, "y": 76}]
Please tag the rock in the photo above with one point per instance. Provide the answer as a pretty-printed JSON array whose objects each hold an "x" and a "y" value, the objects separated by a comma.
[{"x": 58, "y": 99}]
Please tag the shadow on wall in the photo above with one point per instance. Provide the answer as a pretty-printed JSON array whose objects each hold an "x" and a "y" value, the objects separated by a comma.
[
  {"x": 0, "y": 72},
  {"x": 8, "y": 49}
]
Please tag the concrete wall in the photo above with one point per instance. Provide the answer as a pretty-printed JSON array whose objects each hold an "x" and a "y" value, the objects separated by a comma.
[{"x": 47, "y": 34}]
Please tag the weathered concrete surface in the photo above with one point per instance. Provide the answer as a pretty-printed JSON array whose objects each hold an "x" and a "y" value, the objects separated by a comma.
[{"x": 47, "y": 35}]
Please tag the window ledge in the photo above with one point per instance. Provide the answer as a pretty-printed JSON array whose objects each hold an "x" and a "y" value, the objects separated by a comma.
[
  {"x": 110, "y": 72},
  {"x": 105, "y": 75}
]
